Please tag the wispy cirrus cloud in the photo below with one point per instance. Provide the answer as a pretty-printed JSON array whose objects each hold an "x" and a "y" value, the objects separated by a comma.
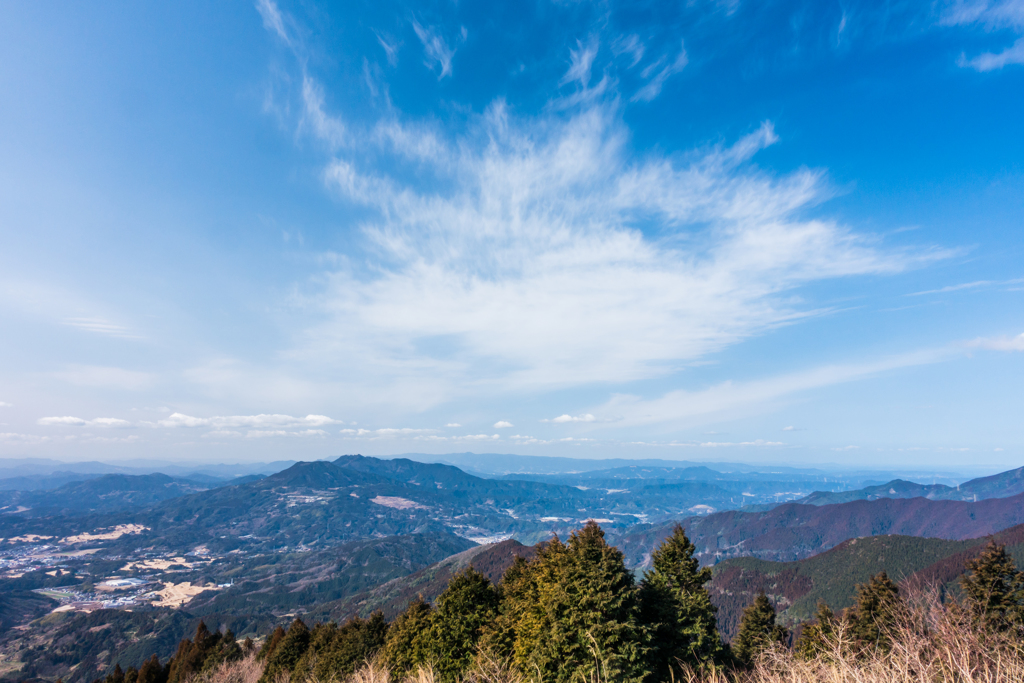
[
  {"x": 436, "y": 48},
  {"x": 659, "y": 72},
  {"x": 732, "y": 399},
  {"x": 532, "y": 253},
  {"x": 997, "y": 343},
  {"x": 990, "y": 15}
]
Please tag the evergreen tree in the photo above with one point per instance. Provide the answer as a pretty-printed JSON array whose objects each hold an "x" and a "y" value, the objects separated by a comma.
[
  {"x": 287, "y": 654},
  {"x": 874, "y": 617},
  {"x": 818, "y": 637},
  {"x": 994, "y": 588},
  {"x": 582, "y": 619},
  {"x": 335, "y": 652},
  {"x": 406, "y": 646},
  {"x": 271, "y": 644},
  {"x": 152, "y": 672},
  {"x": 465, "y": 607},
  {"x": 516, "y": 593},
  {"x": 131, "y": 675},
  {"x": 677, "y": 608},
  {"x": 192, "y": 654},
  {"x": 758, "y": 631}
]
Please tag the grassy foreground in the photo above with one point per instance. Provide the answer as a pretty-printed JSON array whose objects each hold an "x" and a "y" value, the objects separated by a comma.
[{"x": 932, "y": 642}]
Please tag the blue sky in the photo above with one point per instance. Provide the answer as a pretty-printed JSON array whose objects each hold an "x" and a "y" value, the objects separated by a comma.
[{"x": 772, "y": 232}]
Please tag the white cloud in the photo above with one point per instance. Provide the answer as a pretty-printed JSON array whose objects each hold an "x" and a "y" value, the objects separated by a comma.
[
  {"x": 789, "y": 429},
  {"x": 992, "y": 16},
  {"x": 757, "y": 442},
  {"x": 631, "y": 45},
  {"x": 22, "y": 438},
  {"x": 502, "y": 424},
  {"x": 327, "y": 128},
  {"x": 436, "y": 49},
  {"x": 101, "y": 326},
  {"x": 997, "y": 343},
  {"x": 453, "y": 424},
  {"x": 990, "y": 61},
  {"x": 580, "y": 61},
  {"x": 5, "y": 404},
  {"x": 660, "y": 74},
  {"x": 729, "y": 399},
  {"x": 272, "y": 19},
  {"x": 79, "y": 422},
  {"x": 67, "y": 420},
  {"x": 530, "y": 257},
  {"x": 256, "y": 421},
  {"x": 390, "y": 46},
  {"x": 524, "y": 252},
  {"x": 586, "y": 417},
  {"x": 264, "y": 433}
]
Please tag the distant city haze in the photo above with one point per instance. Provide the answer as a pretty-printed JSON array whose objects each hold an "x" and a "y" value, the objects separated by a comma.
[{"x": 708, "y": 232}]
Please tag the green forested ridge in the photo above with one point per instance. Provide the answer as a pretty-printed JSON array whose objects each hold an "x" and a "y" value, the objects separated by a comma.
[{"x": 573, "y": 611}]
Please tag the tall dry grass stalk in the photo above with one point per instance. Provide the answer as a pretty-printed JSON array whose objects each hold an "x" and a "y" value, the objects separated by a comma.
[{"x": 245, "y": 670}]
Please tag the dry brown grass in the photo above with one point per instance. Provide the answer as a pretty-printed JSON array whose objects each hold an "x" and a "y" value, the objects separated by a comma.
[{"x": 931, "y": 643}]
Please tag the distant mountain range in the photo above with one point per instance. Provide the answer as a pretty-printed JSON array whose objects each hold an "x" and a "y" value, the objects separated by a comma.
[
  {"x": 794, "y": 531},
  {"x": 345, "y": 537},
  {"x": 1002, "y": 485}
]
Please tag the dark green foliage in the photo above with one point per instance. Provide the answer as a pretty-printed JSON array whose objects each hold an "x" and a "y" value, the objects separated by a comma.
[
  {"x": 283, "y": 658},
  {"x": 994, "y": 588},
  {"x": 677, "y": 608},
  {"x": 818, "y": 637},
  {"x": 271, "y": 644},
  {"x": 758, "y": 631},
  {"x": 873, "y": 618},
  {"x": 152, "y": 672},
  {"x": 338, "y": 651},
  {"x": 406, "y": 646},
  {"x": 463, "y": 610},
  {"x": 580, "y": 613}
]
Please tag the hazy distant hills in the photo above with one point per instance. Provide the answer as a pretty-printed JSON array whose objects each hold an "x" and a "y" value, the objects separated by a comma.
[
  {"x": 1002, "y": 485},
  {"x": 794, "y": 531},
  {"x": 105, "y": 493}
]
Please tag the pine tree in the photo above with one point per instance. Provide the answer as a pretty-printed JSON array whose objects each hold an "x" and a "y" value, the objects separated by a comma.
[
  {"x": 994, "y": 589},
  {"x": 582, "y": 621},
  {"x": 465, "y": 607},
  {"x": 287, "y": 654},
  {"x": 517, "y": 592},
  {"x": 876, "y": 613},
  {"x": 758, "y": 631},
  {"x": 337, "y": 651},
  {"x": 192, "y": 654},
  {"x": 406, "y": 647},
  {"x": 677, "y": 607},
  {"x": 131, "y": 675},
  {"x": 818, "y": 637},
  {"x": 152, "y": 672},
  {"x": 271, "y": 644}
]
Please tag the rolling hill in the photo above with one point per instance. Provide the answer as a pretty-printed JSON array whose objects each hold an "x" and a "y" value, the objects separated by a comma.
[
  {"x": 796, "y": 587},
  {"x": 794, "y": 531}
]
